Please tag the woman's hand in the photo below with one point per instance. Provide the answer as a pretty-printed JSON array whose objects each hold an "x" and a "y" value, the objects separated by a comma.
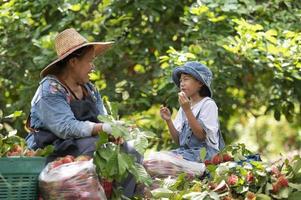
[
  {"x": 165, "y": 113},
  {"x": 118, "y": 140},
  {"x": 183, "y": 101},
  {"x": 107, "y": 128},
  {"x": 104, "y": 127}
]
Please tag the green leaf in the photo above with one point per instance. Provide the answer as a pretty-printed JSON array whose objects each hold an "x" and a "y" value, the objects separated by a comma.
[
  {"x": 75, "y": 7},
  {"x": 258, "y": 165},
  {"x": 105, "y": 118},
  {"x": 295, "y": 186},
  {"x": 294, "y": 195},
  {"x": 179, "y": 184},
  {"x": 106, "y": 153},
  {"x": 123, "y": 165},
  {"x": 272, "y": 32},
  {"x": 228, "y": 6},
  {"x": 201, "y": 195},
  {"x": 242, "y": 189},
  {"x": 161, "y": 193},
  {"x": 212, "y": 168},
  {"x": 214, "y": 195},
  {"x": 140, "y": 144},
  {"x": 141, "y": 174},
  {"x": 139, "y": 68},
  {"x": 113, "y": 167},
  {"x": 100, "y": 164},
  {"x": 284, "y": 192},
  {"x": 112, "y": 109},
  {"x": 262, "y": 197},
  {"x": 14, "y": 140},
  {"x": 103, "y": 139},
  {"x": 46, "y": 151},
  {"x": 268, "y": 188},
  {"x": 203, "y": 153},
  {"x": 296, "y": 165},
  {"x": 16, "y": 114},
  {"x": 199, "y": 10}
]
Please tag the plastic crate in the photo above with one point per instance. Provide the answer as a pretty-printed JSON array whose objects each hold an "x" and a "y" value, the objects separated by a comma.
[{"x": 19, "y": 177}]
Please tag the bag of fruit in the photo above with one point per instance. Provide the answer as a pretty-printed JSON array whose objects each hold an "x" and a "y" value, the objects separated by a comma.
[
  {"x": 163, "y": 164},
  {"x": 69, "y": 178}
]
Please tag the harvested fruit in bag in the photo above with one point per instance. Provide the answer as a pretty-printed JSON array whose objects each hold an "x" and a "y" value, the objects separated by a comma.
[{"x": 66, "y": 178}]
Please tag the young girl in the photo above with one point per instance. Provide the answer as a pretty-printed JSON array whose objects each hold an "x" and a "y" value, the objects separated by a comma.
[{"x": 196, "y": 124}]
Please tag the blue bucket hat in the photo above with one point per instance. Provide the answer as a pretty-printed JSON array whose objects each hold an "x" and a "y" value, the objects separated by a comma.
[{"x": 197, "y": 70}]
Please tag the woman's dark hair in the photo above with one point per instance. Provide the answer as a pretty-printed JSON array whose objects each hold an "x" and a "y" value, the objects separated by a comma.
[
  {"x": 79, "y": 53},
  {"x": 204, "y": 91}
]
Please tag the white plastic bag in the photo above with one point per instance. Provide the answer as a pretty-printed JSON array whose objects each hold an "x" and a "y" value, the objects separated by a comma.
[
  {"x": 163, "y": 164},
  {"x": 75, "y": 180}
]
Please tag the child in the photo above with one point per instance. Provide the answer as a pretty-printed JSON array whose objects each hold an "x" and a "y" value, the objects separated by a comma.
[{"x": 196, "y": 124}]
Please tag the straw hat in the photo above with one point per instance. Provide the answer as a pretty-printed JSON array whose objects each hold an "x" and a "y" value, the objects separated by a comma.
[{"x": 69, "y": 41}]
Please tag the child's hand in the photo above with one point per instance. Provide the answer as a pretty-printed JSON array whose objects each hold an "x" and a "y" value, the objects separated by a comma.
[
  {"x": 165, "y": 113},
  {"x": 184, "y": 101}
]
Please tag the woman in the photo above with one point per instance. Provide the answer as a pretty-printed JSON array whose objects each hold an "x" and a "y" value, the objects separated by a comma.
[
  {"x": 65, "y": 106},
  {"x": 196, "y": 124}
]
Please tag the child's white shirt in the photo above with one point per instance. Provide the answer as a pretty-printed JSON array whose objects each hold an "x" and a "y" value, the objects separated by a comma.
[{"x": 208, "y": 117}]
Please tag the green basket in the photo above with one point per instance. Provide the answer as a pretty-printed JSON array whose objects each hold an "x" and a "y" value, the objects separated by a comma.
[{"x": 19, "y": 177}]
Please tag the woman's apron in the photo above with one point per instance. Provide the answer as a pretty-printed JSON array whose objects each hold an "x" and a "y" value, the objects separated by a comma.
[
  {"x": 84, "y": 110},
  {"x": 190, "y": 145}
]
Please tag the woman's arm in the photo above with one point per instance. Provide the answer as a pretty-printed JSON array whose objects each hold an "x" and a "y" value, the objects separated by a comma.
[{"x": 57, "y": 116}]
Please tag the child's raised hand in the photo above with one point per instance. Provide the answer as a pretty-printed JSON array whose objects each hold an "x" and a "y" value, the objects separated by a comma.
[
  {"x": 165, "y": 113},
  {"x": 183, "y": 101}
]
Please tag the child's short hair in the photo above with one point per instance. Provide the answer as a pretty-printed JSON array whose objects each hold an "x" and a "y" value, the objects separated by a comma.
[{"x": 204, "y": 91}]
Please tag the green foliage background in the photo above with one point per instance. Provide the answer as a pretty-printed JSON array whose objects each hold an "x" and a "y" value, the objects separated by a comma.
[{"x": 252, "y": 47}]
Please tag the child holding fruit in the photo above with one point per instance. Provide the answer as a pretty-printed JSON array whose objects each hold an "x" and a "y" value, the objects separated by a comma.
[{"x": 196, "y": 124}]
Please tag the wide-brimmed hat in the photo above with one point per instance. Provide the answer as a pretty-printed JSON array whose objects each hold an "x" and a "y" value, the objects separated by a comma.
[
  {"x": 69, "y": 41},
  {"x": 197, "y": 70}
]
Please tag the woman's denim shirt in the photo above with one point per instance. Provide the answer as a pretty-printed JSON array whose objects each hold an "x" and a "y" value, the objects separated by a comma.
[{"x": 50, "y": 110}]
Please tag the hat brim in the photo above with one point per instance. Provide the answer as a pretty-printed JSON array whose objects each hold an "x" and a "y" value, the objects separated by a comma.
[
  {"x": 100, "y": 48},
  {"x": 176, "y": 75}
]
